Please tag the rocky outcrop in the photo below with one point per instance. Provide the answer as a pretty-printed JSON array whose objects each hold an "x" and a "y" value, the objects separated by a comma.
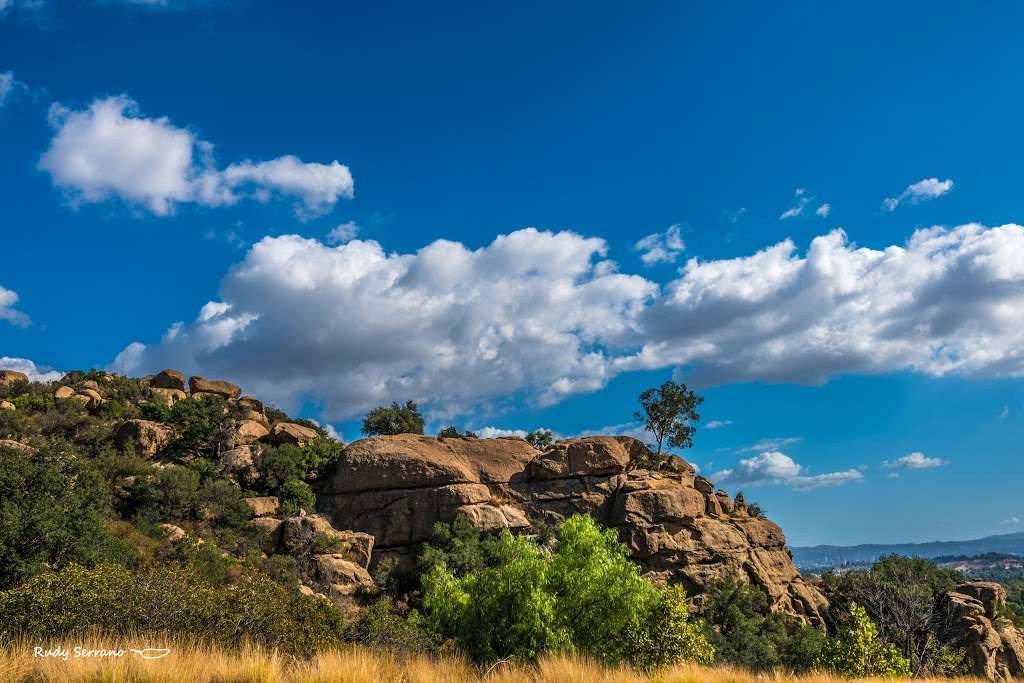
[
  {"x": 168, "y": 379},
  {"x": 167, "y": 397},
  {"x": 330, "y": 563},
  {"x": 292, "y": 433},
  {"x": 263, "y": 506},
  {"x": 679, "y": 529},
  {"x": 971, "y": 618},
  {"x": 201, "y": 385},
  {"x": 8, "y": 378},
  {"x": 7, "y": 405},
  {"x": 144, "y": 436}
]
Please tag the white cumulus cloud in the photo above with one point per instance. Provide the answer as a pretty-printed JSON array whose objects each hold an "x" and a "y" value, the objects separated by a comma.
[
  {"x": 532, "y": 313},
  {"x": 777, "y": 468},
  {"x": 914, "y": 461},
  {"x": 346, "y": 232},
  {"x": 661, "y": 247},
  {"x": 922, "y": 190},
  {"x": 109, "y": 149},
  {"x": 36, "y": 373},
  {"x": 8, "y": 312}
]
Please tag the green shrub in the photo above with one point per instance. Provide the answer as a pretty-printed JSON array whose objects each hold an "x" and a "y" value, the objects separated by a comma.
[
  {"x": 585, "y": 596},
  {"x": 200, "y": 425},
  {"x": 857, "y": 651},
  {"x": 381, "y": 627},
  {"x": 52, "y": 513},
  {"x": 393, "y": 419},
  {"x": 171, "y": 600},
  {"x": 745, "y": 631},
  {"x": 296, "y": 494},
  {"x": 540, "y": 438}
]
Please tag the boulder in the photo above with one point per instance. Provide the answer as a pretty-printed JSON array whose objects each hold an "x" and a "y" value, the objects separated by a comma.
[
  {"x": 251, "y": 403},
  {"x": 173, "y": 533},
  {"x": 197, "y": 384},
  {"x": 246, "y": 433},
  {"x": 63, "y": 393},
  {"x": 17, "y": 446},
  {"x": 167, "y": 397},
  {"x": 7, "y": 405},
  {"x": 970, "y": 617},
  {"x": 239, "y": 463},
  {"x": 310, "y": 534},
  {"x": 168, "y": 379},
  {"x": 592, "y": 456},
  {"x": 93, "y": 397},
  {"x": 269, "y": 530},
  {"x": 9, "y": 378},
  {"x": 292, "y": 433},
  {"x": 263, "y": 506},
  {"x": 91, "y": 384},
  {"x": 145, "y": 436}
]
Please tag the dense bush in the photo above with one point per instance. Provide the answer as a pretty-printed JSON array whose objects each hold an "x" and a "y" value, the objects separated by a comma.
[
  {"x": 286, "y": 469},
  {"x": 744, "y": 631},
  {"x": 393, "y": 419},
  {"x": 899, "y": 596},
  {"x": 585, "y": 596},
  {"x": 858, "y": 652},
  {"x": 52, "y": 512},
  {"x": 540, "y": 438},
  {"x": 200, "y": 425},
  {"x": 168, "y": 599}
]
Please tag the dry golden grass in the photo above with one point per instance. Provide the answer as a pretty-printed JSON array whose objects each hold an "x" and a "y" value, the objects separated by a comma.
[{"x": 197, "y": 663}]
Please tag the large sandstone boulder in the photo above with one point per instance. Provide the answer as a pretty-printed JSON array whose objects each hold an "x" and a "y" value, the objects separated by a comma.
[
  {"x": 7, "y": 405},
  {"x": 201, "y": 385},
  {"x": 9, "y": 378},
  {"x": 144, "y": 436},
  {"x": 240, "y": 464},
  {"x": 263, "y": 506},
  {"x": 246, "y": 433},
  {"x": 167, "y": 397},
  {"x": 679, "y": 529},
  {"x": 971, "y": 618},
  {"x": 292, "y": 433},
  {"x": 63, "y": 393},
  {"x": 168, "y": 379}
]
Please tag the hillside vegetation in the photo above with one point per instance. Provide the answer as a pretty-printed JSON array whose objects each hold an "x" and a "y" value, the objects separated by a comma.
[{"x": 136, "y": 510}]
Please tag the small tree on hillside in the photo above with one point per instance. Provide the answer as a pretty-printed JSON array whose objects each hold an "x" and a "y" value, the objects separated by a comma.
[
  {"x": 668, "y": 412},
  {"x": 393, "y": 419},
  {"x": 540, "y": 438}
]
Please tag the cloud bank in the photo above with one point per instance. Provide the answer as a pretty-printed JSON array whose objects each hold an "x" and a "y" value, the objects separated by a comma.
[
  {"x": 36, "y": 373},
  {"x": 111, "y": 150},
  {"x": 777, "y": 468},
  {"x": 545, "y": 315}
]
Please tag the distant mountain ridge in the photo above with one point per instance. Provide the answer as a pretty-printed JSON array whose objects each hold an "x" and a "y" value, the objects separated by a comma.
[{"x": 826, "y": 556}]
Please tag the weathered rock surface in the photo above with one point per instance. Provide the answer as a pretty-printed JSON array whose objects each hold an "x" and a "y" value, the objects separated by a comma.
[
  {"x": 246, "y": 433},
  {"x": 330, "y": 562},
  {"x": 7, "y": 405},
  {"x": 63, "y": 393},
  {"x": 970, "y": 617},
  {"x": 145, "y": 436},
  {"x": 168, "y": 379},
  {"x": 11, "y": 377},
  {"x": 239, "y": 463},
  {"x": 197, "y": 385},
  {"x": 167, "y": 397},
  {"x": 263, "y": 506},
  {"x": 678, "y": 528},
  {"x": 292, "y": 433},
  {"x": 17, "y": 446}
]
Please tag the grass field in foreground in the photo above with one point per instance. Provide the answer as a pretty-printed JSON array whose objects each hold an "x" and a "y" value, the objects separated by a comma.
[{"x": 192, "y": 663}]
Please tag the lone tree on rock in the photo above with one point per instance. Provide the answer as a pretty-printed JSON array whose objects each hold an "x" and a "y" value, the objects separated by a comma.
[
  {"x": 668, "y": 413},
  {"x": 393, "y": 419}
]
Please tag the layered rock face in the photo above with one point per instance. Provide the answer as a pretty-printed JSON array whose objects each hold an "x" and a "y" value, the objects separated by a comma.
[
  {"x": 677, "y": 526},
  {"x": 971, "y": 618}
]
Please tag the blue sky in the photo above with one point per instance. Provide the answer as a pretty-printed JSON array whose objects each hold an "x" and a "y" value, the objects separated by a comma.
[{"x": 333, "y": 202}]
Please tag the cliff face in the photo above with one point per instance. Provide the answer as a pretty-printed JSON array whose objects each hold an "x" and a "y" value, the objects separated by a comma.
[
  {"x": 971, "y": 618},
  {"x": 677, "y": 526}
]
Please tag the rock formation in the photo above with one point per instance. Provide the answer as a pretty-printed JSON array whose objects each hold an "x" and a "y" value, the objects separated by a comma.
[
  {"x": 971, "y": 618},
  {"x": 679, "y": 529}
]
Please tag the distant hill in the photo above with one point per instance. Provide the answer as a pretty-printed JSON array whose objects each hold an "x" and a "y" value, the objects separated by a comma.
[{"x": 820, "y": 557}]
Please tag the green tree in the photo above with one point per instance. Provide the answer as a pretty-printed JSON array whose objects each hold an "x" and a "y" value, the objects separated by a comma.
[
  {"x": 584, "y": 596},
  {"x": 52, "y": 512},
  {"x": 393, "y": 419},
  {"x": 857, "y": 651},
  {"x": 668, "y": 413},
  {"x": 540, "y": 438},
  {"x": 745, "y": 631}
]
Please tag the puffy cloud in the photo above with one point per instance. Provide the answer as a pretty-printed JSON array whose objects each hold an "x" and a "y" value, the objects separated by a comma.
[
  {"x": 532, "y": 312},
  {"x": 35, "y": 372},
  {"x": 110, "y": 150},
  {"x": 495, "y": 432},
  {"x": 544, "y": 315},
  {"x": 914, "y": 461},
  {"x": 8, "y": 312},
  {"x": 717, "y": 424},
  {"x": 777, "y": 468},
  {"x": 824, "y": 210},
  {"x": 1011, "y": 521},
  {"x": 922, "y": 190},
  {"x": 949, "y": 301},
  {"x": 661, "y": 247},
  {"x": 346, "y": 232}
]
